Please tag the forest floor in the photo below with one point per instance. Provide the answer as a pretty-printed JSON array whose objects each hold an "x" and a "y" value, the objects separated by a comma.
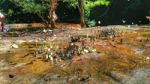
[{"x": 100, "y": 55}]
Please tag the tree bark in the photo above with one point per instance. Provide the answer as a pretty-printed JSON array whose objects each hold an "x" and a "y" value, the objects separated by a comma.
[
  {"x": 81, "y": 9},
  {"x": 52, "y": 13}
]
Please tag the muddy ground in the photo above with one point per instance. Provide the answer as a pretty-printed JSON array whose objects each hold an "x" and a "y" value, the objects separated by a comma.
[{"x": 103, "y": 55}]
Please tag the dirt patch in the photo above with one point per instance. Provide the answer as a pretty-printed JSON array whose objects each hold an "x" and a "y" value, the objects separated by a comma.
[{"x": 85, "y": 59}]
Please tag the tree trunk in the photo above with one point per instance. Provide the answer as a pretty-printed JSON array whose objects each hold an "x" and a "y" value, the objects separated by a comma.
[
  {"x": 81, "y": 9},
  {"x": 52, "y": 14}
]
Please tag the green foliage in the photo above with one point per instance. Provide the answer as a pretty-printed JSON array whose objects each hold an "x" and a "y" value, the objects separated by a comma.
[
  {"x": 16, "y": 9},
  {"x": 8, "y": 10},
  {"x": 88, "y": 4},
  {"x": 71, "y": 3},
  {"x": 31, "y": 6},
  {"x": 129, "y": 10}
]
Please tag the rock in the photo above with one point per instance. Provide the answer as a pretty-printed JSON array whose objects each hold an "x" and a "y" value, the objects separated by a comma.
[
  {"x": 3, "y": 65},
  {"x": 3, "y": 75},
  {"x": 6, "y": 66},
  {"x": 86, "y": 80},
  {"x": 51, "y": 78},
  {"x": 3, "y": 78},
  {"x": 86, "y": 57},
  {"x": 118, "y": 76},
  {"x": 19, "y": 65},
  {"x": 24, "y": 79},
  {"x": 5, "y": 45},
  {"x": 139, "y": 76}
]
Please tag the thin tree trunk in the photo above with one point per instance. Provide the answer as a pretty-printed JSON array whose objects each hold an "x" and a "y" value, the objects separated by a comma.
[
  {"x": 52, "y": 14},
  {"x": 81, "y": 9}
]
